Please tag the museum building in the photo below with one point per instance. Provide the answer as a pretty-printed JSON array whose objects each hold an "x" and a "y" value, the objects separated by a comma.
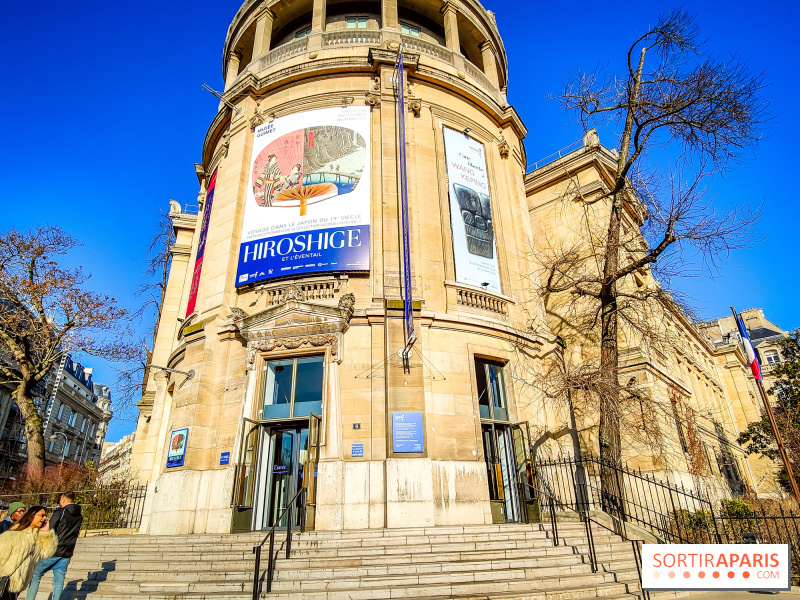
[{"x": 351, "y": 312}]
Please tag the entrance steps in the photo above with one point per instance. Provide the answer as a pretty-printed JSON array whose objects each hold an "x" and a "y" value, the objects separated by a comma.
[{"x": 503, "y": 562}]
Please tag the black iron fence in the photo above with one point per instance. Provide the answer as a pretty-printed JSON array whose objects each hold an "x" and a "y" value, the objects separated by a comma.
[
  {"x": 102, "y": 508},
  {"x": 642, "y": 499},
  {"x": 671, "y": 513}
]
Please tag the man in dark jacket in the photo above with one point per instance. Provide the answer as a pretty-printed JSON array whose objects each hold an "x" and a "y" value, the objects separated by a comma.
[{"x": 66, "y": 522}]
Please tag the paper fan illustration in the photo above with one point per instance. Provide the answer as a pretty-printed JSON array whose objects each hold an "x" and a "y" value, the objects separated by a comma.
[{"x": 308, "y": 166}]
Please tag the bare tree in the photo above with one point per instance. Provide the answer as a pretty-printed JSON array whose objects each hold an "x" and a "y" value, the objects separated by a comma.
[
  {"x": 676, "y": 106},
  {"x": 46, "y": 311}
]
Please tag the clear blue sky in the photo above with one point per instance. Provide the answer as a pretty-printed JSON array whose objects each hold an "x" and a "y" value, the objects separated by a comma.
[{"x": 104, "y": 116}]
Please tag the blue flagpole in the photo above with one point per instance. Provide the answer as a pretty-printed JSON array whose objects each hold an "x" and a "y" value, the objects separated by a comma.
[{"x": 408, "y": 299}]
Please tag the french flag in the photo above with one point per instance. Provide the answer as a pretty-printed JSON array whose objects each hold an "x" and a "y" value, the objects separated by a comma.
[{"x": 748, "y": 347}]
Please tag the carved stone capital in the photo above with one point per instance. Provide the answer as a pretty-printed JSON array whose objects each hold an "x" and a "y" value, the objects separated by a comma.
[
  {"x": 449, "y": 7},
  {"x": 347, "y": 302},
  {"x": 237, "y": 314},
  {"x": 505, "y": 149}
]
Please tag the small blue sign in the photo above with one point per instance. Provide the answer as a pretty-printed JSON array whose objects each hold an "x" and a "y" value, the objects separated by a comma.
[
  {"x": 177, "y": 447},
  {"x": 357, "y": 450},
  {"x": 225, "y": 458},
  {"x": 407, "y": 434}
]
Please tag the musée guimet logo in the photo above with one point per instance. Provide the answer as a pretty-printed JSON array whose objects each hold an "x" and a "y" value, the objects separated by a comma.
[{"x": 763, "y": 567}]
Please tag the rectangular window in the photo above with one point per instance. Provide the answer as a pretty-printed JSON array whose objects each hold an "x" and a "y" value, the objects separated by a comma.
[
  {"x": 491, "y": 390},
  {"x": 50, "y": 447},
  {"x": 409, "y": 29},
  {"x": 303, "y": 33},
  {"x": 60, "y": 412},
  {"x": 772, "y": 357},
  {"x": 357, "y": 23},
  {"x": 72, "y": 416},
  {"x": 65, "y": 449},
  {"x": 83, "y": 425},
  {"x": 293, "y": 387}
]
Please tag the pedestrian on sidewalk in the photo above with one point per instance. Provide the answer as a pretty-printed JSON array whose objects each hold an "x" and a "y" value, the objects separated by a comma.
[
  {"x": 15, "y": 512},
  {"x": 66, "y": 522},
  {"x": 28, "y": 540}
]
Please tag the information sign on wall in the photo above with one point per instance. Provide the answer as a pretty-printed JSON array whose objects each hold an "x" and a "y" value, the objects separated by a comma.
[
  {"x": 357, "y": 450},
  {"x": 474, "y": 246},
  {"x": 177, "y": 447},
  {"x": 407, "y": 433},
  {"x": 308, "y": 196}
]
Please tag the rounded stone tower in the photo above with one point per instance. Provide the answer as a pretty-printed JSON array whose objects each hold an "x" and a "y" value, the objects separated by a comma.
[{"x": 345, "y": 312}]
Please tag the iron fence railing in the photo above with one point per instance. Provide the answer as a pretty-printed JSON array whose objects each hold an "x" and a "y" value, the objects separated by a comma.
[
  {"x": 671, "y": 513},
  {"x": 102, "y": 508},
  {"x": 643, "y": 499}
]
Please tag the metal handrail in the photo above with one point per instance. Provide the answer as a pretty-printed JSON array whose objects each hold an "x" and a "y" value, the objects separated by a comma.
[
  {"x": 271, "y": 537},
  {"x": 587, "y": 521}
]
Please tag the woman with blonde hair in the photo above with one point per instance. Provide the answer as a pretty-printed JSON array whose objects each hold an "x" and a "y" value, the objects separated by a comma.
[{"x": 20, "y": 549}]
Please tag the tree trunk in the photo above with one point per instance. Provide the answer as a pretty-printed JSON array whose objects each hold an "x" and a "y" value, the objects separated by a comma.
[
  {"x": 609, "y": 429},
  {"x": 33, "y": 430}
]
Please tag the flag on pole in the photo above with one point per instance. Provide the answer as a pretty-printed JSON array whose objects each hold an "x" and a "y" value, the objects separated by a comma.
[{"x": 748, "y": 348}]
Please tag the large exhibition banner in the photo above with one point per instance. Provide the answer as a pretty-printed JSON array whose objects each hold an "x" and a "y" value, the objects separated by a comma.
[
  {"x": 201, "y": 246},
  {"x": 471, "y": 219},
  {"x": 308, "y": 196}
]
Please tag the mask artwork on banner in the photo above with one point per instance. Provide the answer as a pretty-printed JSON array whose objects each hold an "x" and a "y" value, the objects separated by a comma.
[
  {"x": 474, "y": 246},
  {"x": 308, "y": 198}
]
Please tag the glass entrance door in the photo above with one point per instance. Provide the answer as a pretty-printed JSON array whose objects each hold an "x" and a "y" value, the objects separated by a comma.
[
  {"x": 498, "y": 451},
  {"x": 286, "y": 473}
]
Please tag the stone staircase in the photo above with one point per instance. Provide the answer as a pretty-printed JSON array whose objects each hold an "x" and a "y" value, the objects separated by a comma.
[{"x": 509, "y": 562}]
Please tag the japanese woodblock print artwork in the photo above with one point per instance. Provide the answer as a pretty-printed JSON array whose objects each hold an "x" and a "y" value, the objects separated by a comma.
[{"x": 308, "y": 200}]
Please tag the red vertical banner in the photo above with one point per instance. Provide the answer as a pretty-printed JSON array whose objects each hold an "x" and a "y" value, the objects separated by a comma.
[{"x": 201, "y": 246}]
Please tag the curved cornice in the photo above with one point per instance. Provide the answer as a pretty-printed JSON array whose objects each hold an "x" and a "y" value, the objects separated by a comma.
[{"x": 469, "y": 9}]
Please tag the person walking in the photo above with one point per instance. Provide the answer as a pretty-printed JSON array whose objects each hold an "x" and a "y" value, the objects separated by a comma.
[
  {"x": 28, "y": 540},
  {"x": 66, "y": 522},
  {"x": 15, "y": 512}
]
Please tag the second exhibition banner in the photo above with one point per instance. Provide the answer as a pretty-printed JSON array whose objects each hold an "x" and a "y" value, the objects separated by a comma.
[
  {"x": 308, "y": 197},
  {"x": 474, "y": 246}
]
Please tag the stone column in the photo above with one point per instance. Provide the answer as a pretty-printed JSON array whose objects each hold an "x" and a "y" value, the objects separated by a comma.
[
  {"x": 319, "y": 15},
  {"x": 233, "y": 68},
  {"x": 263, "y": 40},
  {"x": 450, "y": 12},
  {"x": 490, "y": 63},
  {"x": 389, "y": 16}
]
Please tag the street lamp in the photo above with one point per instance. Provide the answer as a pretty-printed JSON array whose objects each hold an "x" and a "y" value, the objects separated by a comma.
[{"x": 66, "y": 441}]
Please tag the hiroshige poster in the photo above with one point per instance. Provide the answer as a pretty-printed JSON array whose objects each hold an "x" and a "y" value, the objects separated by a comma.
[
  {"x": 177, "y": 447},
  {"x": 474, "y": 244},
  {"x": 308, "y": 196}
]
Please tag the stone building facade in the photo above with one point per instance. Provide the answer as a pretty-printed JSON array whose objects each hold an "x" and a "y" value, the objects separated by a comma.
[
  {"x": 115, "y": 461},
  {"x": 266, "y": 383},
  {"x": 75, "y": 410}
]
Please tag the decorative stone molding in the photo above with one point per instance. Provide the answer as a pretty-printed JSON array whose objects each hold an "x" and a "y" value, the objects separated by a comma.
[
  {"x": 293, "y": 292},
  {"x": 315, "y": 341},
  {"x": 415, "y": 106},
  {"x": 237, "y": 314},
  {"x": 373, "y": 94},
  {"x": 347, "y": 302},
  {"x": 503, "y": 147},
  {"x": 296, "y": 324}
]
